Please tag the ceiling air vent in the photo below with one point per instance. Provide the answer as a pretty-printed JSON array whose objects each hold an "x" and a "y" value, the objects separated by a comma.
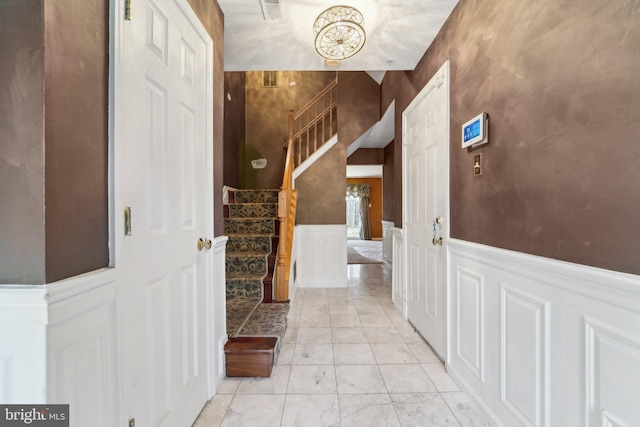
[{"x": 272, "y": 9}]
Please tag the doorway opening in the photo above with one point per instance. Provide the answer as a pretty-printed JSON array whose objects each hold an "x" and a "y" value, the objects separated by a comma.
[{"x": 356, "y": 214}]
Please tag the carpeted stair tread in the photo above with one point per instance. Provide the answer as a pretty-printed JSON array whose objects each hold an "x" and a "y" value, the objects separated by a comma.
[
  {"x": 243, "y": 287},
  {"x": 237, "y": 313},
  {"x": 267, "y": 320},
  {"x": 255, "y": 196},
  {"x": 253, "y": 210},
  {"x": 249, "y": 226},
  {"x": 249, "y": 243},
  {"x": 246, "y": 264}
]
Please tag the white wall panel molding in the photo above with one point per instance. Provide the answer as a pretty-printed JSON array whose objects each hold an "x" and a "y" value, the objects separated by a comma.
[
  {"x": 216, "y": 314},
  {"x": 470, "y": 321},
  {"x": 23, "y": 305},
  {"x": 23, "y": 323},
  {"x": 321, "y": 256},
  {"x": 82, "y": 350},
  {"x": 612, "y": 374},
  {"x": 524, "y": 355},
  {"x": 387, "y": 242},
  {"x": 65, "y": 291},
  {"x": 613, "y": 287},
  {"x": 541, "y": 342},
  {"x": 398, "y": 294}
]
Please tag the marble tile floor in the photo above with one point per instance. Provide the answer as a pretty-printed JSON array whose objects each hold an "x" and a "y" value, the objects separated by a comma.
[{"x": 348, "y": 359}]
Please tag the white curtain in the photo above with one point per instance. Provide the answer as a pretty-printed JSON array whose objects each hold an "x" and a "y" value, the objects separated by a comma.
[{"x": 358, "y": 200}]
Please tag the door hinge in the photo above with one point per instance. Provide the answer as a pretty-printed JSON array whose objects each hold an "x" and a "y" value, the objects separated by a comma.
[
  {"x": 127, "y": 221},
  {"x": 127, "y": 10}
]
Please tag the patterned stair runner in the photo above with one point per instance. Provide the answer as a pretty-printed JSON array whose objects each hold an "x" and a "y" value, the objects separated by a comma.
[{"x": 252, "y": 227}]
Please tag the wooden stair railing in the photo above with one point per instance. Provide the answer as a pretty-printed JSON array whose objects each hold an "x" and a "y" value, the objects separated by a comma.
[
  {"x": 287, "y": 198},
  {"x": 315, "y": 122}
]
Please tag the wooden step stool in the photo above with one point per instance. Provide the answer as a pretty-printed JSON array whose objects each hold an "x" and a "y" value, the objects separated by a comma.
[{"x": 249, "y": 356}]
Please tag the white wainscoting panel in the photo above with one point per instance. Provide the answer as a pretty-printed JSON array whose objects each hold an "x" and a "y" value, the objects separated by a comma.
[
  {"x": 82, "y": 352},
  {"x": 524, "y": 359},
  {"x": 470, "y": 321},
  {"x": 321, "y": 255},
  {"x": 23, "y": 323},
  {"x": 387, "y": 242},
  {"x": 540, "y": 342},
  {"x": 216, "y": 314},
  {"x": 398, "y": 294},
  {"x": 612, "y": 362}
]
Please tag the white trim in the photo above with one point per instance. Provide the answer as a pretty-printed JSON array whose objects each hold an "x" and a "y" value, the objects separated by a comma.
[
  {"x": 616, "y": 288},
  {"x": 399, "y": 288},
  {"x": 74, "y": 286},
  {"x": 23, "y": 305},
  {"x": 216, "y": 315},
  {"x": 387, "y": 242}
]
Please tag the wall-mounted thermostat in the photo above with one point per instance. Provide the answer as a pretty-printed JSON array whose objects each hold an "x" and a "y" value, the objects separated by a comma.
[{"x": 476, "y": 131}]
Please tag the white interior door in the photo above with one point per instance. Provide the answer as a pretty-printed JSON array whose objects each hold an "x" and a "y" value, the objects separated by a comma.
[
  {"x": 163, "y": 177},
  {"x": 425, "y": 207}
]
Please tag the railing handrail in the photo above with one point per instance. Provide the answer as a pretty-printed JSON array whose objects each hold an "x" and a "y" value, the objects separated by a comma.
[
  {"x": 315, "y": 121},
  {"x": 316, "y": 98}
]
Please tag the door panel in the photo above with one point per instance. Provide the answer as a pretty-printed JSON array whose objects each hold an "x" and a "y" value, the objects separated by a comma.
[
  {"x": 164, "y": 174},
  {"x": 425, "y": 151}
]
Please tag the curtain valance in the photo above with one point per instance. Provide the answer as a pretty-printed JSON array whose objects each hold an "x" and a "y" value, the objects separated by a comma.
[{"x": 358, "y": 190}]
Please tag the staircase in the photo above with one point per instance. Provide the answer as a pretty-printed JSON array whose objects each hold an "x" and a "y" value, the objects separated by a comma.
[
  {"x": 252, "y": 226},
  {"x": 259, "y": 249}
]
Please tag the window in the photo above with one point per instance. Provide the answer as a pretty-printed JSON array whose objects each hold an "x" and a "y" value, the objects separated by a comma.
[
  {"x": 354, "y": 223},
  {"x": 269, "y": 79}
]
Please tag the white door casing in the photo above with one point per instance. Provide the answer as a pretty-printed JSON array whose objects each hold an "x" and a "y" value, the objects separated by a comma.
[
  {"x": 425, "y": 160},
  {"x": 163, "y": 172}
]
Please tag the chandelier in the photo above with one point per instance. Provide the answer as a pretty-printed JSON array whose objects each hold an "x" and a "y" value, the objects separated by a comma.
[{"x": 339, "y": 33}]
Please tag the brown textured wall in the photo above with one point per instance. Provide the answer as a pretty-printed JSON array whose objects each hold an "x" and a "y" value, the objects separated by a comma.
[
  {"x": 211, "y": 16},
  {"x": 320, "y": 188},
  {"x": 75, "y": 91},
  {"x": 388, "y": 194},
  {"x": 366, "y": 156},
  {"x": 358, "y": 105},
  {"x": 561, "y": 82},
  {"x": 22, "y": 248},
  {"x": 375, "y": 210},
  {"x": 234, "y": 126},
  {"x": 76, "y": 135},
  {"x": 267, "y": 121}
]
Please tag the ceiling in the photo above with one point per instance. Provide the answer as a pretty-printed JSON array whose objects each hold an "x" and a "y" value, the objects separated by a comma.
[{"x": 398, "y": 34}]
